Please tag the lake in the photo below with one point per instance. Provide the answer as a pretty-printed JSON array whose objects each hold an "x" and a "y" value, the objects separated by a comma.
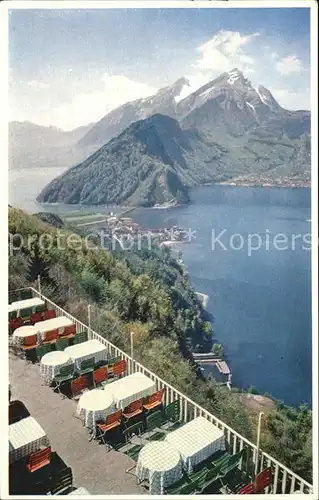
[{"x": 260, "y": 299}]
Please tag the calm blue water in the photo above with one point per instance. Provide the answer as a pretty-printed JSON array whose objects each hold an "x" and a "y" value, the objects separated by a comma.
[{"x": 261, "y": 303}]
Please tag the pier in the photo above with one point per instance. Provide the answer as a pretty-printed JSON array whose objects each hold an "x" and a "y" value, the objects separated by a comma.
[{"x": 212, "y": 359}]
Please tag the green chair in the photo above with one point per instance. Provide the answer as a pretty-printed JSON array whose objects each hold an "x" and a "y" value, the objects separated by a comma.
[
  {"x": 61, "y": 344},
  {"x": 86, "y": 366},
  {"x": 172, "y": 414},
  {"x": 12, "y": 315},
  {"x": 41, "y": 308},
  {"x": 152, "y": 421},
  {"x": 62, "y": 484},
  {"x": 182, "y": 487},
  {"x": 65, "y": 374},
  {"x": 80, "y": 337},
  {"x": 134, "y": 451},
  {"x": 26, "y": 313},
  {"x": 222, "y": 468},
  {"x": 25, "y": 294},
  {"x": 41, "y": 350}
]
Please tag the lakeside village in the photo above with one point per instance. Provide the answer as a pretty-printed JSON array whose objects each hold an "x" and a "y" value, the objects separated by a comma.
[{"x": 123, "y": 230}]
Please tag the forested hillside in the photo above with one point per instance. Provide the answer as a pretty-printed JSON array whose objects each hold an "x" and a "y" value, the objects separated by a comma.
[{"x": 146, "y": 292}]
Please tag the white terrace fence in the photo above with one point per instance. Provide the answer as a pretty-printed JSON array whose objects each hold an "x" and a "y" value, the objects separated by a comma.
[{"x": 285, "y": 481}]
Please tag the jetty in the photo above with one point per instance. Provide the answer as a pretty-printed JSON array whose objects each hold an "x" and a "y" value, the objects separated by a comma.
[{"x": 212, "y": 359}]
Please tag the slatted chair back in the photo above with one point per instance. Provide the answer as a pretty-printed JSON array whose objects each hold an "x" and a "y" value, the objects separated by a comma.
[
  {"x": 263, "y": 480},
  {"x": 112, "y": 420},
  {"x": 49, "y": 314},
  {"x": 100, "y": 375},
  {"x": 61, "y": 344},
  {"x": 36, "y": 317},
  {"x": 51, "y": 335},
  {"x": 41, "y": 350},
  {"x": 154, "y": 420},
  {"x": 133, "y": 409},
  {"x": 26, "y": 313},
  {"x": 112, "y": 361},
  {"x": 248, "y": 489},
  {"x": 119, "y": 368},
  {"x": 69, "y": 331},
  {"x": 17, "y": 411},
  {"x": 65, "y": 371},
  {"x": 80, "y": 337},
  {"x": 41, "y": 308},
  {"x": 79, "y": 384},
  {"x": 87, "y": 365},
  {"x": 39, "y": 459},
  {"x": 62, "y": 482},
  {"x": 15, "y": 323},
  {"x": 154, "y": 400},
  {"x": 30, "y": 341},
  {"x": 12, "y": 315},
  {"x": 173, "y": 411},
  {"x": 25, "y": 294}
]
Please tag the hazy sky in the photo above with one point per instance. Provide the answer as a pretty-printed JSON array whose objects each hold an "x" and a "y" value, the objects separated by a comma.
[{"x": 70, "y": 67}]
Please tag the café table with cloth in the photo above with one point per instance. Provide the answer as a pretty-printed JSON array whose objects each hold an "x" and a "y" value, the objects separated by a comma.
[
  {"x": 128, "y": 389},
  {"x": 51, "y": 363},
  {"x": 89, "y": 349},
  {"x": 94, "y": 405},
  {"x": 26, "y": 437},
  {"x": 25, "y": 304},
  {"x": 51, "y": 324},
  {"x": 196, "y": 441},
  {"x": 160, "y": 465},
  {"x": 22, "y": 332}
]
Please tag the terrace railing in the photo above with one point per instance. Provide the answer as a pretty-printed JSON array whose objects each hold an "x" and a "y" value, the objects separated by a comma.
[{"x": 285, "y": 481}]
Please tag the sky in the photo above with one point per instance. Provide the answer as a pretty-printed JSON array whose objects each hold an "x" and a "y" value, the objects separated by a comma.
[{"x": 68, "y": 68}]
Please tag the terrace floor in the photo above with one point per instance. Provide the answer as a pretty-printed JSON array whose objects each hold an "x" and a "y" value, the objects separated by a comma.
[{"x": 99, "y": 471}]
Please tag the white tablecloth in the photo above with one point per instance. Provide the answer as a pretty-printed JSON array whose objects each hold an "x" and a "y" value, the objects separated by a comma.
[
  {"x": 128, "y": 389},
  {"x": 196, "y": 441},
  {"x": 51, "y": 363},
  {"x": 160, "y": 464},
  {"x": 22, "y": 332},
  {"x": 51, "y": 324},
  {"x": 25, "y": 437},
  {"x": 85, "y": 350},
  {"x": 25, "y": 304},
  {"x": 93, "y": 406}
]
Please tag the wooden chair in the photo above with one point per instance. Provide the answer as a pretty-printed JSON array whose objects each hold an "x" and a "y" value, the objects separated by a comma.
[
  {"x": 26, "y": 314},
  {"x": 100, "y": 376},
  {"x": 263, "y": 480},
  {"x": 41, "y": 308},
  {"x": 51, "y": 336},
  {"x": 65, "y": 375},
  {"x": 61, "y": 344},
  {"x": 248, "y": 489},
  {"x": 39, "y": 459},
  {"x": 36, "y": 317},
  {"x": 80, "y": 337},
  {"x": 15, "y": 323},
  {"x": 30, "y": 342},
  {"x": 119, "y": 368},
  {"x": 111, "y": 423},
  {"x": 133, "y": 409},
  {"x": 49, "y": 314},
  {"x": 153, "y": 401},
  {"x": 68, "y": 332},
  {"x": 41, "y": 350},
  {"x": 86, "y": 366},
  {"x": 79, "y": 385}
]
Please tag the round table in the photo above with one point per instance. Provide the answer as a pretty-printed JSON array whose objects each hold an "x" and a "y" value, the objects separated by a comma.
[
  {"x": 160, "y": 464},
  {"x": 93, "y": 406},
  {"x": 24, "y": 331},
  {"x": 51, "y": 363}
]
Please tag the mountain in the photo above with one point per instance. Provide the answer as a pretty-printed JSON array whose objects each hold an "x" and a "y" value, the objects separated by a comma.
[
  {"x": 115, "y": 122},
  {"x": 32, "y": 145},
  {"x": 140, "y": 167},
  {"x": 227, "y": 131}
]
